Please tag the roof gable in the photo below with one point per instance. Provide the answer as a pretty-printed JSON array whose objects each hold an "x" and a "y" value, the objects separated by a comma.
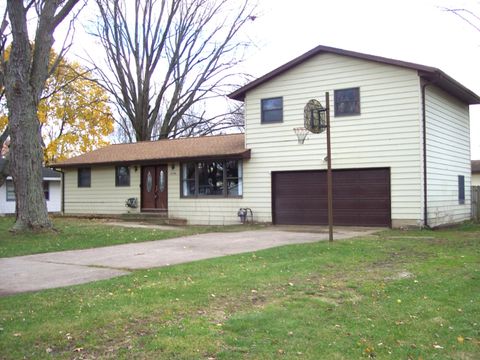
[
  {"x": 204, "y": 147},
  {"x": 427, "y": 73}
]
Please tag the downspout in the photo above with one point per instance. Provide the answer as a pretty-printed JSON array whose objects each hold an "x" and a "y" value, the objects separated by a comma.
[
  {"x": 424, "y": 84},
  {"x": 63, "y": 193}
]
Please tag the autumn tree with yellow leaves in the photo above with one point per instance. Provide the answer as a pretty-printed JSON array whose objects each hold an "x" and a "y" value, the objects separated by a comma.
[{"x": 74, "y": 114}]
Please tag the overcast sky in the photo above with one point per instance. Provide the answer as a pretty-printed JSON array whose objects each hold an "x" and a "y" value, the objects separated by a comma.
[{"x": 419, "y": 31}]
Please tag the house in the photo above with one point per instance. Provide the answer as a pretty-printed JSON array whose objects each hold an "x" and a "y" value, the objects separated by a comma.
[
  {"x": 400, "y": 152},
  {"x": 475, "y": 172},
  {"x": 51, "y": 187}
]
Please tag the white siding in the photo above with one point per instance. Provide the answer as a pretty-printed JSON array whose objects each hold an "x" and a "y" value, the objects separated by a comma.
[
  {"x": 54, "y": 204},
  {"x": 102, "y": 197},
  {"x": 448, "y": 156},
  {"x": 386, "y": 134}
]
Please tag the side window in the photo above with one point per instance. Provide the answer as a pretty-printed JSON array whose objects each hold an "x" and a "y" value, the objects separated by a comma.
[
  {"x": 10, "y": 190},
  {"x": 347, "y": 102},
  {"x": 272, "y": 110},
  {"x": 84, "y": 177},
  {"x": 46, "y": 189},
  {"x": 461, "y": 189},
  {"x": 122, "y": 176}
]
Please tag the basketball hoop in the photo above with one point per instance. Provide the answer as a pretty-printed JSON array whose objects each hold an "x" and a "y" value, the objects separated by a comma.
[{"x": 301, "y": 133}]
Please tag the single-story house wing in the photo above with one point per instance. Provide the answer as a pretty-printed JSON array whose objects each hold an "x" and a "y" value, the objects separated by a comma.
[
  {"x": 51, "y": 188},
  {"x": 400, "y": 152}
]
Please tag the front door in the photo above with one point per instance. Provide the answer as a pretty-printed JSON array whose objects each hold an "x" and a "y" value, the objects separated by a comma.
[{"x": 154, "y": 188}]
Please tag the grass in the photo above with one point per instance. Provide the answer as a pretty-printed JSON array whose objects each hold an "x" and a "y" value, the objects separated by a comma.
[
  {"x": 394, "y": 295},
  {"x": 74, "y": 234}
]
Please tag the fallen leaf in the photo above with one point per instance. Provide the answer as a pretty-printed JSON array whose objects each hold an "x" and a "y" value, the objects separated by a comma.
[
  {"x": 460, "y": 339},
  {"x": 435, "y": 346}
]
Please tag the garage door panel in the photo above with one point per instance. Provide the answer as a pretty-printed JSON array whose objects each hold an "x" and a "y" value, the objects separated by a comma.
[{"x": 360, "y": 197}]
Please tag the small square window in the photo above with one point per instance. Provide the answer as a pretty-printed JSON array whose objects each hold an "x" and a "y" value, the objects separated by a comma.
[
  {"x": 84, "y": 177},
  {"x": 461, "y": 189},
  {"x": 347, "y": 102},
  {"x": 272, "y": 110},
  {"x": 10, "y": 190},
  {"x": 122, "y": 176}
]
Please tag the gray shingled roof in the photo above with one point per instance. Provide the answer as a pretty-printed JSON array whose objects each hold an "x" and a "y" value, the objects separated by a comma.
[{"x": 46, "y": 172}]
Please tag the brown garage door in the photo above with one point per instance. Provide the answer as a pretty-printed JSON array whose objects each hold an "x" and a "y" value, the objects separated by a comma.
[{"x": 360, "y": 197}]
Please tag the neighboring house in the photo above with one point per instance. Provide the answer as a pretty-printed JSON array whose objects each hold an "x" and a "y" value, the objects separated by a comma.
[
  {"x": 475, "y": 172},
  {"x": 51, "y": 187},
  {"x": 400, "y": 152}
]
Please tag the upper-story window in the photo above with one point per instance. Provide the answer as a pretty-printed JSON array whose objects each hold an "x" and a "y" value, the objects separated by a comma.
[
  {"x": 347, "y": 102},
  {"x": 84, "y": 177},
  {"x": 272, "y": 110},
  {"x": 122, "y": 176}
]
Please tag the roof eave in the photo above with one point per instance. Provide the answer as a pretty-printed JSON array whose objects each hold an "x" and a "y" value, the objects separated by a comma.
[
  {"x": 244, "y": 155},
  {"x": 449, "y": 84}
]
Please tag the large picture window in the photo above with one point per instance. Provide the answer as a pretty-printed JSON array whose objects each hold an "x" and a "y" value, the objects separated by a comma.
[
  {"x": 122, "y": 176},
  {"x": 272, "y": 110},
  {"x": 84, "y": 177},
  {"x": 212, "y": 178},
  {"x": 347, "y": 102}
]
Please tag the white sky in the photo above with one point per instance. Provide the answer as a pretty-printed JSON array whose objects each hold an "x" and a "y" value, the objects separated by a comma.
[
  {"x": 411, "y": 30},
  {"x": 418, "y": 31}
]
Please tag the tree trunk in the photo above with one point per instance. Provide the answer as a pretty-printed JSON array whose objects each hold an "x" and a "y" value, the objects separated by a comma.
[
  {"x": 23, "y": 90},
  {"x": 26, "y": 164}
]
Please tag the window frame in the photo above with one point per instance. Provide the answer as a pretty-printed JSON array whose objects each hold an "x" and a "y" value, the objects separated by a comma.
[
  {"x": 196, "y": 194},
  {"x": 337, "y": 102},
  {"x": 118, "y": 183},
  {"x": 9, "y": 190},
  {"x": 461, "y": 189},
  {"x": 46, "y": 189},
  {"x": 79, "y": 177},
  {"x": 263, "y": 111}
]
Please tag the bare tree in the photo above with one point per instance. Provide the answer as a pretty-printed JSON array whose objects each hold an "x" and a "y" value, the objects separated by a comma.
[
  {"x": 25, "y": 73},
  {"x": 165, "y": 56},
  {"x": 466, "y": 15}
]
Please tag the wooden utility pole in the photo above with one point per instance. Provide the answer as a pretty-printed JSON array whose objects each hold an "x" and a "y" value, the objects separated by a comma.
[{"x": 329, "y": 171}]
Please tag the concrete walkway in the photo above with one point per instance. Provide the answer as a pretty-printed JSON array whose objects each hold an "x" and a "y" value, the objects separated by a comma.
[{"x": 58, "y": 269}]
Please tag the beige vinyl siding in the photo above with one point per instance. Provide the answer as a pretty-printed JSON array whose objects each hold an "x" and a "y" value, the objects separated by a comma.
[
  {"x": 475, "y": 179},
  {"x": 448, "y": 156},
  {"x": 387, "y": 133},
  {"x": 102, "y": 197},
  {"x": 206, "y": 211}
]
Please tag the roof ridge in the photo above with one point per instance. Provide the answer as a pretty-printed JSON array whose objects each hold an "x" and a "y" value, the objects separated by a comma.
[{"x": 180, "y": 138}]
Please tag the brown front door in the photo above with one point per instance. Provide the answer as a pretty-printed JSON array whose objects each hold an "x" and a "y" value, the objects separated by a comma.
[{"x": 154, "y": 188}]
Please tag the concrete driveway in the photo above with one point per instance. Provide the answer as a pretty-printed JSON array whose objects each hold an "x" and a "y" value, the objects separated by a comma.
[{"x": 58, "y": 269}]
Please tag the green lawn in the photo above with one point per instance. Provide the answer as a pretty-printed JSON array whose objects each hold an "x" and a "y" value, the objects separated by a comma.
[
  {"x": 73, "y": 234},
  {"x": 395, "y": 295}
]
